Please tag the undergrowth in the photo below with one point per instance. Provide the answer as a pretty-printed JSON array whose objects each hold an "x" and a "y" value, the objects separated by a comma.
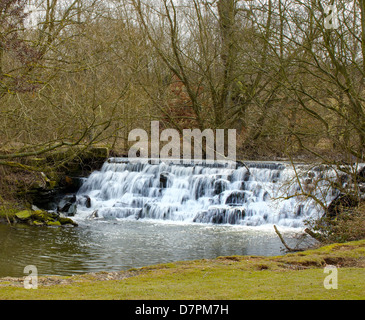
[{"x": 348, "y": 225}]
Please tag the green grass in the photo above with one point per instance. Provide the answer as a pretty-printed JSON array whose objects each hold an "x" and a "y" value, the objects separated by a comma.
[
  {"x": 296, "y": 276},
  {"x": 218, "y": 284}
]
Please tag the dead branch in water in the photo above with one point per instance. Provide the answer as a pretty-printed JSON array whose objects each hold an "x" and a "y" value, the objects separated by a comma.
[{"x": 284, "y": 243}]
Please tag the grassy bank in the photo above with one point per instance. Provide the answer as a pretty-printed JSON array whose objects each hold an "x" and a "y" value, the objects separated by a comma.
[{"x": 293, "y": 276}]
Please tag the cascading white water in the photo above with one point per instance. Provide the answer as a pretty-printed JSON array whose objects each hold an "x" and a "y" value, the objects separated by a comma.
[{"x": 252, "y": 195}]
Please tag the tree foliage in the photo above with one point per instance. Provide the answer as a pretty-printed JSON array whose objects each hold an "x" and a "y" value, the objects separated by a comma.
[{"x": 82, "y": 72}]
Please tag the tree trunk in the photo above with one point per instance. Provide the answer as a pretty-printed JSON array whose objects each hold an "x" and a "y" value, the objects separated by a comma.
[
  {"x": 227, "y": 17},
  {"x": 362, "y": 9}
]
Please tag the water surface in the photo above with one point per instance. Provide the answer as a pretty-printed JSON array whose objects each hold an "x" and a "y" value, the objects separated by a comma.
[{"x": 123, "y": 244}]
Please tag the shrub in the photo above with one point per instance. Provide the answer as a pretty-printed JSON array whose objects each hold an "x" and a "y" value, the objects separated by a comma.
[{"x": 347, "y": 225}]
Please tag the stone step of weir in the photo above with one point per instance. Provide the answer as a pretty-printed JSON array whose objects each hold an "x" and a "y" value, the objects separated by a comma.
[
  {"x": 182, "y": 162},
  {"x": 205, "y": 163},
  {"x": 266, "y": 165}
]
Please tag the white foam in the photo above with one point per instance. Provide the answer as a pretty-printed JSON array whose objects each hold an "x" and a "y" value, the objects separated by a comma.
[{"x": 256, "y": 196}]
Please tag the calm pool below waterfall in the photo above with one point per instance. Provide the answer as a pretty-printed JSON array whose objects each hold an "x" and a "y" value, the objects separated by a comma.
[
  {"x": 137, "y": 214},
  {"x": 120, "y": 245}
]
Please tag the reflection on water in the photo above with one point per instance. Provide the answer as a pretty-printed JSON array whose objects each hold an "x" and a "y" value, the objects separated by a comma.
[{"x": 120, "y": 245}]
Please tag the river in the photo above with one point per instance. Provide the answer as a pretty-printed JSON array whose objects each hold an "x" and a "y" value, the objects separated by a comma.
[{"x": 123, "y": 244}]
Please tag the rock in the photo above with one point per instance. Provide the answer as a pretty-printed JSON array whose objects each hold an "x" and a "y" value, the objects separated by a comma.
[
  {"x": 218, "y": 217},
  {"x": 234, "y": 216},
  {"x": 38, "y": 223},
  {"x": 87, "y": 202},
  {"x": 41, "y": 197},
  {"x": 139, "y": 214},
  {"x": 35, "y": 208},
  {"x": 220, "y": 185},
  {"x": 236, "y": 198},
  {"x": 94, "y": 215},
  {"x": 23, "y": 216},
  {"x": 72, "y": 210},
  {"x": 68, "y": 206},
  {"x": 164, "y": 176},
  {"x": 201, "y": 217},
  {"x": 53, "y": 223},
  {"x": 67, "y": 221},
  {"x": 42, "y": 218},
  {"x": 41, "y": 192},
  {"x": 71, "y": 184}
]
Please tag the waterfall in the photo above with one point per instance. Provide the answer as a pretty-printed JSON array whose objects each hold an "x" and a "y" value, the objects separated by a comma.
[{"x": 253, "y": 194}]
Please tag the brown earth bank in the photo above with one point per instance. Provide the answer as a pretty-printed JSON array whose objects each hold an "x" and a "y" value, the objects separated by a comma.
[{"x": 44, "y": 180}]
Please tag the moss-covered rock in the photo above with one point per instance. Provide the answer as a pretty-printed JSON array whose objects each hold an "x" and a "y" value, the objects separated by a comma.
[
  {"x": 23, "y": 216},
  {"x": 37, "y": 223},
  {"x": 54, "y": 224},
  {"x": 67, "y": 221},
  {"x": 42, "y": 218}
]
